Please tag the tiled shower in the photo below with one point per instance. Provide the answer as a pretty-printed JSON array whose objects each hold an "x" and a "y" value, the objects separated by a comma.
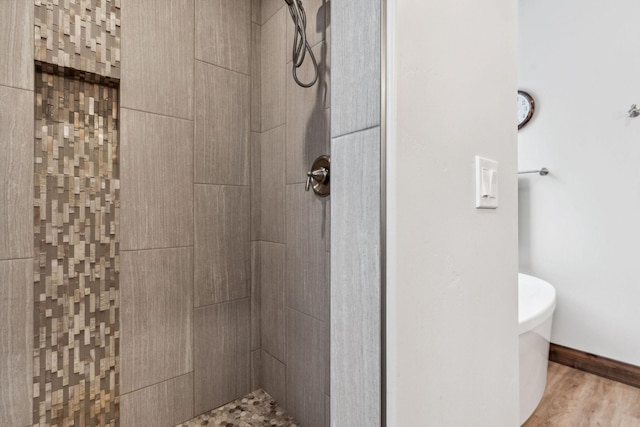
[{"x": 160, "y": 256}]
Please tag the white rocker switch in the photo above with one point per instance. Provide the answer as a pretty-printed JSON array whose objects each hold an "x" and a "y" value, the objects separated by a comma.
[{"x": 486, "y": 183}]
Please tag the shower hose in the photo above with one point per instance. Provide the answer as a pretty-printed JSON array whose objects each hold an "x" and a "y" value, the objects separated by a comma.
[{"x": 300, "y": 43}]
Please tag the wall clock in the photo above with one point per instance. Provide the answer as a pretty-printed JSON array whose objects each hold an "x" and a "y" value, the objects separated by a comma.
[{"x": 526, "y": 105}]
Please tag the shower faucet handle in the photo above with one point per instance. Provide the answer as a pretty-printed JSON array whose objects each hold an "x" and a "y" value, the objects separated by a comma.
[{"x": 318, "y": 176}]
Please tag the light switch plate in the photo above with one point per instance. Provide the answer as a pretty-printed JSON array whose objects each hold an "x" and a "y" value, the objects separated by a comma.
[{"x": 486, "y": 183}]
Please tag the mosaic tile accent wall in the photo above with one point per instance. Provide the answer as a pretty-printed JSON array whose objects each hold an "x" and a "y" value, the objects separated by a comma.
[
  {"x": 79, "y": 34},
  {"x": 76, "y": 227}
]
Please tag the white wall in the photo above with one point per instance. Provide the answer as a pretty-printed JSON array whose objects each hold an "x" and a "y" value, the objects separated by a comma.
[
  {"x": 580, "y": 227},
  {"x": 452, "y": 297}
]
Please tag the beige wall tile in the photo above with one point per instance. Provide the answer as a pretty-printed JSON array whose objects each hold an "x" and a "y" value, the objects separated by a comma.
[
  {"x": 223, "y": 33},
  {"x": 308, "y": 120},
  {"x": 269, "y": 8},
  {"x": 256, "y": 194},
  {"x": 222, "y": 243},
  {"x": 273, "y": 64},
  {"x": 274, "y": 378},
  {"x": 16, "y": 172},
  {"x": 272, "y": 186},
  {"x": 256, "y": 369},
  {"x": 160, "y": 405},
  {"x": 307, "y": 229},
  {"x": 256, "y": 11},
  {"x": 16, "y": 342},
  {"x": 256, "y": 310},
  {"x": 327, "y": 334},
  {"x": 157, "y": 57},
  {"x": 272, "y": 300},
  {"x": 327, "y": 411},
  {"x": 16, "y": 44},
  {"x": 156, "y": 289},
  {"x": 306, "y": 369},
  {"x": 256, "y": 78},
  {"x": 156, "y": 155},
  {"x": 223, "y": 110},
  {"x": 222, "y": 360}
]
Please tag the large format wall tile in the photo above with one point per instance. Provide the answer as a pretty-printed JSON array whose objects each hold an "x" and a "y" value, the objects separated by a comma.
[
  {"x": 355, "y": 278},
  {"x": 269, "y": 8},
  {"x": 256, "y": 78},
  {"x": 223, "y": 110},
  {"x": 223, "y": 31},
  {"x": 355, "y": 77},
  {"x": 16, "y": 171},
  {"x": 256, "y": 177},
  {"x": 256, "y": 310},
  {"x": 16, "y": 44},
  {"x": 273, "y": 63},
  {"x": 157, "y": 56},
  {"x": 272, "y": 301},
  {"x": 307, "y": 219},
  {"x": 274, "y": 378},
  {"x": 307, "y": 120},
  {"x": 272, "y": 188},
  {"x": 222, "y": 360},
  {"x": 327, "y": 411},
  {"x": 256, "y": 369},
  {"x": 157, "y": 310},
  {"x": 327, "y": 325},
  {"x": 16, "y": 342},
  {"x": 306, "y": 369},
  {"x": 157, "y": 177},
  {"x": 256, "y": 11},
  {"x": 222, "y": 243},
  {"x": 160, "y": 405}
]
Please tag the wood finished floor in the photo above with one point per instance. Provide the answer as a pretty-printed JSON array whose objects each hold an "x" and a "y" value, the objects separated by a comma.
[{"x": 577, "y": 399}]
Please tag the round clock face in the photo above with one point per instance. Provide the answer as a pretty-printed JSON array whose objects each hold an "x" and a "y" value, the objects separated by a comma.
[{"x": 525, "y": 108}]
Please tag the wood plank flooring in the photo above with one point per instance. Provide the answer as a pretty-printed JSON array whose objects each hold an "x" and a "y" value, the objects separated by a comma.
[
  {"x": 594, "y": 364},
  {"x": 578, "y": 399}
]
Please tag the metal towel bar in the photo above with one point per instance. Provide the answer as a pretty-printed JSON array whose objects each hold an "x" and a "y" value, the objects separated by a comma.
[{"x": 542, "y": 172}]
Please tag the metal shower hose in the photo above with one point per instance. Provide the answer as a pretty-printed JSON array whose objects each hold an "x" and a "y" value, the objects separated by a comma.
[{"x": 300, "y": 44}]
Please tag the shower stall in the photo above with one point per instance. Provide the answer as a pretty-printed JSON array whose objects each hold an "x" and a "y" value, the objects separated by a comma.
[{"x": 163, "y": 253}]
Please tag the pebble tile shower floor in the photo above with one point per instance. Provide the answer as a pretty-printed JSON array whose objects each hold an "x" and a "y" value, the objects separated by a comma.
[{"x": 256, "y": 409}]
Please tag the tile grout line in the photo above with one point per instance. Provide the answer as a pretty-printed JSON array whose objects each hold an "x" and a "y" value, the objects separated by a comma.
[
  {"x": 222, "y": 185},
  {"x": 272, "y": 128},
  {"x": 156, "y": 249},
  {"x": 221, "y": 302},
  {"x": 305, "y": 314},
  {"x": 156, "y": 114},
  {"x": 276, "y": 358},
  {"x": 156, "y": 383},
  {"x": 193, "y": 205},
  {"x": 356, "y": 131},
  {"x": 287, "y": 215},
  {"x": 220, "y": 67},
  {"x": 18, "y": 88},
  {"x": 270, "y": 16},
  {"x": 18, "y": 259},
  {"x": 253, "y": 228}
]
